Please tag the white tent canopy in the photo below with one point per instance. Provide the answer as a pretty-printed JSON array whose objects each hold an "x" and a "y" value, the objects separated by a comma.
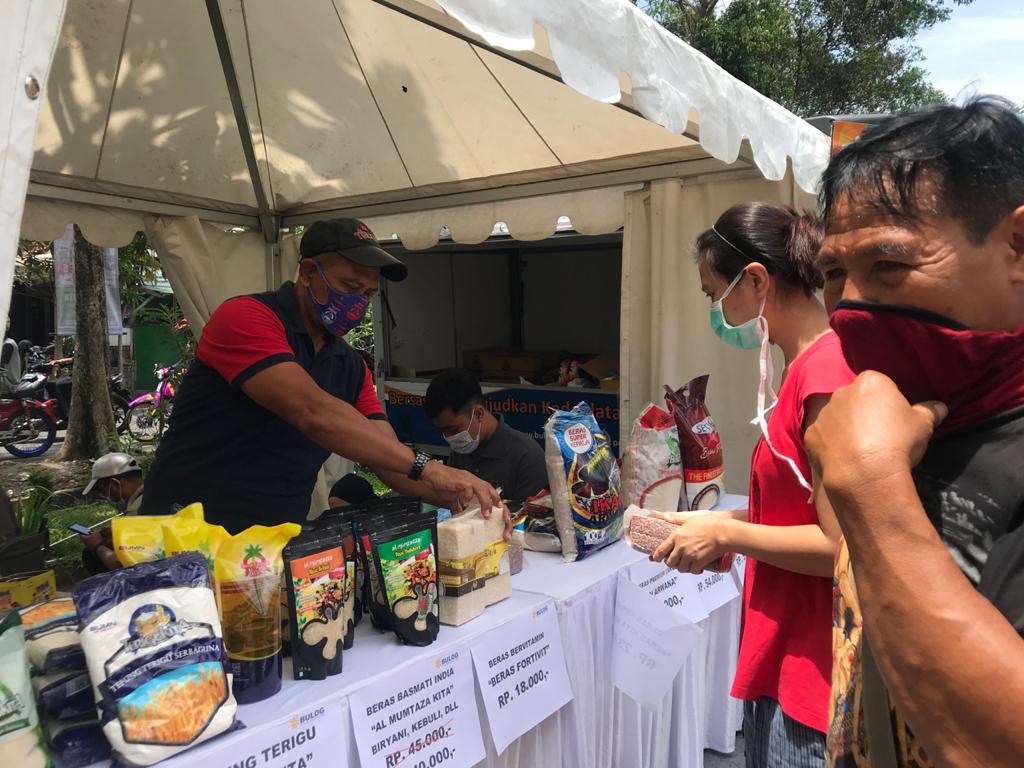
[
  {"x": 189, "y": 117},
  {"x": 367, "y": 108}
]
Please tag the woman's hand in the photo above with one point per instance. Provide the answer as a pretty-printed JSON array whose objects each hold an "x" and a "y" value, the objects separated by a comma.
[{"x": 696, "y": 542}]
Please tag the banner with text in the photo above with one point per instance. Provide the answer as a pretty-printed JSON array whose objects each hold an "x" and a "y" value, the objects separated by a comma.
[{"x": 64, "y": 286}]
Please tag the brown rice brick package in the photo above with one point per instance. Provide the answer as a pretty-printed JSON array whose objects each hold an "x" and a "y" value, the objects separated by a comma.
[{"x": 700, "y": 447}]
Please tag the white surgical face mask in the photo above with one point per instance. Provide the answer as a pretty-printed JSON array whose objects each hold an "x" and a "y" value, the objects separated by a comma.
[
  {"x": 764, "y": 389},
  {"x": 463, "y": 442}
]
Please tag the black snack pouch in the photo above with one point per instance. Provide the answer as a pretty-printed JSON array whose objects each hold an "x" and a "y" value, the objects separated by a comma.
[
  {"x": 368, "y": 518},
  {"x": 65, "y": 695},
  {"x": 314, "y": 566},
  {"x": 342, "y": 520},
  {"x": 404, "y": 554}
]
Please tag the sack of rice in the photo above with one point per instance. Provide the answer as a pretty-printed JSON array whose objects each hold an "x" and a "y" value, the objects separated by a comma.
[
  {"x": 153, "y": 643},
  {"x": 651, "y": 468},
  {"x": 584, "y": 478},
  {"x": 699, "y": 444},
  {"x": 474, "y": 566},
  {"x": 21, "y": 741}
]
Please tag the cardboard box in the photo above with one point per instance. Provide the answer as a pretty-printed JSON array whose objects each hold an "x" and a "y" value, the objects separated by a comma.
[{"x": 510, "y": 364}]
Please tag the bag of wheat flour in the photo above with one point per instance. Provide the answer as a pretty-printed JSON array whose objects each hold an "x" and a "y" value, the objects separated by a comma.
[{"x": 155, "y": 651}]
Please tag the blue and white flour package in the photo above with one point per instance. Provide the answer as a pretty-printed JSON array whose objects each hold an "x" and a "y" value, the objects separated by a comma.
[
  {"x": 155, "y": 651},
  {"x": 584, "y": 478}
]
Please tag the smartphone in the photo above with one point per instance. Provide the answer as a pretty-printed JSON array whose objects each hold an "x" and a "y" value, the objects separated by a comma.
[{"x": 82, "y": 530}]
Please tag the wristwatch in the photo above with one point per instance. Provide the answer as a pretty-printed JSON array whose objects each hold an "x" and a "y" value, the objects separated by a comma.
[{"x": 422, "y": 459}]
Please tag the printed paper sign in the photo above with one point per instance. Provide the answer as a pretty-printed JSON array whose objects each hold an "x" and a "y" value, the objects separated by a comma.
[
  {"x": 675, "y": 590},
  {"x": 520, "y": 668},
  {"x": 649, "y": 644},
  {"x": 423, "y": 715},
  {"x": 312, "y": 738},
  {"x": 716, "y": 589}
]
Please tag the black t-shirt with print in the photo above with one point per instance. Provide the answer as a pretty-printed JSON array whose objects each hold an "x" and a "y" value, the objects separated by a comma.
[{"x": 971, "y": 485}]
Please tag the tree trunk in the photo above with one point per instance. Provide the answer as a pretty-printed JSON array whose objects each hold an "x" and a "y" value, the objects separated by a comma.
[{"x": 91, "y": 420}]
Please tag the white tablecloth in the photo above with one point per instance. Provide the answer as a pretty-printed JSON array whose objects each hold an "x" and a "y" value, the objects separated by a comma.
[{"x": 601, "y": 728}]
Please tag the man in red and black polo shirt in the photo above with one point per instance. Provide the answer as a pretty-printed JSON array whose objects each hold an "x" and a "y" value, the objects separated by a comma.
[{"x": 274, "y": 390}]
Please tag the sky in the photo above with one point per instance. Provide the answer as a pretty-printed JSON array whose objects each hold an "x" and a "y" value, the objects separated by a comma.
[{"x": 978, "y": 50}]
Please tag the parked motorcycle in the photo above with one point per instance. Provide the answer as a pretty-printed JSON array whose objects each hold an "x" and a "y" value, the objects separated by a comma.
[
  {"x": 41, "y": 383},
  {"x": 148, "y": 413},
  {"x": 28, "y": 426}
]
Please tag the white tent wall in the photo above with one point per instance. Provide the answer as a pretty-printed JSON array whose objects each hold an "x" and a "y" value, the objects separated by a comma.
[
  {"x": 206, "y": 265},
  {"x": 665, "y": 333},
  {"x": 28, "y": 40}
]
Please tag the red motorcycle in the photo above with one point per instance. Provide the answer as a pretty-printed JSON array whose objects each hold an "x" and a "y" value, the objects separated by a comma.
[{"x": 28, "y": 427}]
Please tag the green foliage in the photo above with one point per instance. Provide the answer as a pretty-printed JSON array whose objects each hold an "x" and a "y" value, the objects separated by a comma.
[
  {"x": 361, "y": 337},
  {"x": 815, "y": 56},
  {"x": 31, "y": 507},
  {"x": 66, "y": 556}
]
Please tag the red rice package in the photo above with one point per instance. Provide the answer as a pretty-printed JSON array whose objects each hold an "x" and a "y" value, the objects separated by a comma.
[{"x": 700, "y": 446}]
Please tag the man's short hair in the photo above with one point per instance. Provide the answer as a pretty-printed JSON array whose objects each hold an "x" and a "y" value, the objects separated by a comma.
[
  {"x": 973, "y": 154},
  {"x": 455, "y": 388}
]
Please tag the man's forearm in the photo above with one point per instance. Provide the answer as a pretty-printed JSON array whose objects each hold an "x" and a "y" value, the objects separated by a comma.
[
  {"x": 953, "y": 663},
  {"x": 407, "y": 487}
]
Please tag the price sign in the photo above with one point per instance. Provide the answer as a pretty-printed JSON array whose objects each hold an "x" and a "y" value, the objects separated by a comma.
[
  {"x": 739, "y": 570},
  {"x": 311, "y": 738},
  {"x": 716, "y": 589},
  {"x": 520, "y": 668},
  {"x": 649, "y": 644},
  {"x": 422, "y": 715},
  {"x": 674, "y": 589}
]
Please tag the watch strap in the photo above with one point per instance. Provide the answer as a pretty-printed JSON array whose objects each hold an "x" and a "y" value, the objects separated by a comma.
[{"x": 418, "y": 465}]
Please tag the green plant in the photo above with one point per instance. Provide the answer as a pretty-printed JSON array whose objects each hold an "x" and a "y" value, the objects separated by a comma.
[{"x": 32, "y": 507}]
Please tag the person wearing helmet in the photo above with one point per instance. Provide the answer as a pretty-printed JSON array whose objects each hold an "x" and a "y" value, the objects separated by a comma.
[{"x": 117, "y": 478}]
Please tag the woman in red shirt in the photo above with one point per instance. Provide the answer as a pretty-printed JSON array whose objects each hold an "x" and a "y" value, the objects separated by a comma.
[{"x": 757, "y": 265}]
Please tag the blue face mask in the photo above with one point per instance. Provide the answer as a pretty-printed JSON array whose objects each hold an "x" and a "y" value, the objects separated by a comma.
[
  {"x": 342, "y": 311},
  {"x": 745, "y": 336}
]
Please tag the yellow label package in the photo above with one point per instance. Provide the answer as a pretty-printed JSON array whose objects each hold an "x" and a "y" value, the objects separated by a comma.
[
  {"x": 248, "y": 568},
  {"x": 140, "y": 538}
]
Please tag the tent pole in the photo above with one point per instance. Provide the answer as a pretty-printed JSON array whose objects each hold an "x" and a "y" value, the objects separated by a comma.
[{"x": 268, "y": 224}]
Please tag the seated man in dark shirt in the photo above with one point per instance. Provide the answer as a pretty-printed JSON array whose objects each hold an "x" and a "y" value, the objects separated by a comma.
[
  {"x": 921, "y": 455},
  {"x": 481, "y": 442}
]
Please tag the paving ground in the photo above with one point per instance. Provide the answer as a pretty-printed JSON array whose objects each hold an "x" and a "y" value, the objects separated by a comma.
[{"x": 718, "y": 760}]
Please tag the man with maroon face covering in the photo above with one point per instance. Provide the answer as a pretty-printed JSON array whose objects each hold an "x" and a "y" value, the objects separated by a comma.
[{"x": 921, "y": 456}]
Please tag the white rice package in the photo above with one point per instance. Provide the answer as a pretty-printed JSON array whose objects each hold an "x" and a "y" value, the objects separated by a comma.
[
  {"x": 51, "y": 636},
  {"x": 474, "y": 565},
  {"x": 652, "y": 472},
  {"x": 21, "y": 742},
  {"x": 584, "y": 478},
  {"x": 155, "y": 651}
]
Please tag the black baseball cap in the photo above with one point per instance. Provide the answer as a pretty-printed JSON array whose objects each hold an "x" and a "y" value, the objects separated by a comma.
[{"x": 353, "y": 240}]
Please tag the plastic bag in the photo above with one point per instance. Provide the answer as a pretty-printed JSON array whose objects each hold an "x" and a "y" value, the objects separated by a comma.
[
  {"x": 140, "y": 538},
  {"x": 155, "y": 650},
  {"x": 21, "y": 742},
  {"x": 651, "y": 467},
  {"x": 193, "y": 535},
  {"x": 699, "y": 445},
  {"x": 51, "y": 636},
  {"x": 584, "y": 479},
  {"x": 316, "y": 579},
  {"x": 248, "y": 567}
]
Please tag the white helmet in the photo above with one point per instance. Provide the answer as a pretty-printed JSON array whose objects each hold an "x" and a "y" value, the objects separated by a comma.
[{"x": 111, "y": 465}]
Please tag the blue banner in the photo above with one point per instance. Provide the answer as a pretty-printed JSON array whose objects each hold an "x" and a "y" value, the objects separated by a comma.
[{"x": 524, "y": 408}]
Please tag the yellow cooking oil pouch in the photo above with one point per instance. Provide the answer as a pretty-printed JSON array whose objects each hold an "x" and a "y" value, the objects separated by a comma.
[
  {"x": 140, "y": 538},
  {"x": 248, "y": 568},
  {"x": 191, "y": 535}
]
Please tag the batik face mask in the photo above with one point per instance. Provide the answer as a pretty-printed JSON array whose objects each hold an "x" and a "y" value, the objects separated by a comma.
[{"x": 341, "y": 312}]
